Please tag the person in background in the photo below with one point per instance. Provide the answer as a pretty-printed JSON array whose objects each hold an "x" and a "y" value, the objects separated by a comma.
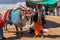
[
  {"x": 46, "y": 9},
  {"x": 43, "y": 16},
  {"x": 55, "y": 11},
  {"x": 59, "y": 11},
  {"x": 1, "y": 27},
  {"x": 43, "y": 10}
]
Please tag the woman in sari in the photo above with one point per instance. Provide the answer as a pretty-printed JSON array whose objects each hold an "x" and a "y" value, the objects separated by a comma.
[{"x": 37, "y": 22}]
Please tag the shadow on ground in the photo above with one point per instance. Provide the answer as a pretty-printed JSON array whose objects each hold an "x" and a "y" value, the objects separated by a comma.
[
  {"x": 52, "y": 36},
  {"x": 14, "y": 37},
  {"x": 51, "y": 24},
  {"x": 29, "y": 35},
  {"x": 25, "y": 34}
]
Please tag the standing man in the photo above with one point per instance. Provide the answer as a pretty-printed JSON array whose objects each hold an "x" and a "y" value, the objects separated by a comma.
[{"x": 1, "y": 27}]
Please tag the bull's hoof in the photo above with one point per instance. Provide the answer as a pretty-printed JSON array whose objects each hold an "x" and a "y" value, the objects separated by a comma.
[
  {"x": 3, "y": 38},
  {"x": 35, "y": 36},
  {"x": 21, "y": 32},
  {"x": 17, "y": 34}
]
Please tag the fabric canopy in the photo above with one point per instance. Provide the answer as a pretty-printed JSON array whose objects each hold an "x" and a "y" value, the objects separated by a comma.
[
  {"x": 48, "y": 2},
  {"x": 38, "y": 5}
]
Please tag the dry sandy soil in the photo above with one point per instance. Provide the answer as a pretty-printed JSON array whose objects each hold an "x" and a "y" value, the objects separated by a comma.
[{"x": 52, "y": 24}]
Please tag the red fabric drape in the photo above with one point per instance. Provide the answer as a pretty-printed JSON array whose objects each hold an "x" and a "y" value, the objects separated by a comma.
[
  {"x": 38, "y": 5},
  {"x": 1, "y": 22}
]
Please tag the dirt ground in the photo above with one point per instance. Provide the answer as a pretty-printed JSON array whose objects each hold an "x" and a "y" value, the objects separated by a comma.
[{"x": 52, "y": 24}]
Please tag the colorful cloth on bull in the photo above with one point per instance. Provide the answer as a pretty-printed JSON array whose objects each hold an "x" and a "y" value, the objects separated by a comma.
[
  {"x": 15, "y": 16},
  {"x": 32, "y": 26},
  {"x": 5, "y": 15}
]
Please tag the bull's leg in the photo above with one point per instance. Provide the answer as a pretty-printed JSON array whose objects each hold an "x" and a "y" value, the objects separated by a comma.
[
  {"x": 16, "y": 30},
  {"x": 5, "y": 27},
  {"x": 21, "y": 30}
]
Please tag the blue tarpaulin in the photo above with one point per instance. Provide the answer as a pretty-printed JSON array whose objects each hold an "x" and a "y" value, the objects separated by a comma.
[{"x": 48, "y": 2}]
